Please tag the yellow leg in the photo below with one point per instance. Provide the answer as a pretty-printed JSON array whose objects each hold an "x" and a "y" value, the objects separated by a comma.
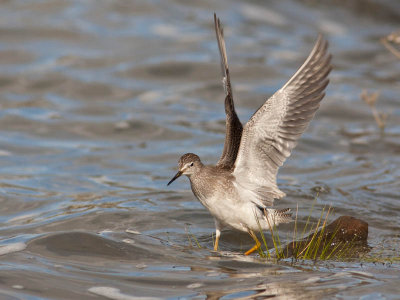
[
  {"x": 256, "y": 246},
  {"x": 217, "y": 235}
]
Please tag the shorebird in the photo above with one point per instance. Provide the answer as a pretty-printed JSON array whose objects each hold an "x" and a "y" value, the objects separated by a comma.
[{"x": 240, "y": 189}]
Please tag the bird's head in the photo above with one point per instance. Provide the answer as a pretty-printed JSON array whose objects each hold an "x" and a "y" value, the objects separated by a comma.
[{"x": 188, "y": 164}]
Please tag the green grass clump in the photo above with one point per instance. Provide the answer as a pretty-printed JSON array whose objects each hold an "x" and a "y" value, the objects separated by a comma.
[{"x": 312, "y": 243}]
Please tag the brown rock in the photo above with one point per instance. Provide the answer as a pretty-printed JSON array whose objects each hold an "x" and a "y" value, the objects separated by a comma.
[{"x": 348, "y": 229}]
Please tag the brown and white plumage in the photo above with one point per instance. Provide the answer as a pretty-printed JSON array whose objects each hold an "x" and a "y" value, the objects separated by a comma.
[
  {"x": 240, "y": 189},
  {"x": 272, "y": 132}
]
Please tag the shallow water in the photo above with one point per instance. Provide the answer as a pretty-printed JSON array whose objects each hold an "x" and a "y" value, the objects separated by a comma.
[{"x": 100, "y": 98}]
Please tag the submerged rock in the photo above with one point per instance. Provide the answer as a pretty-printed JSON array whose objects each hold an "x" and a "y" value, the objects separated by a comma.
[{"x": 346, "y": 237}]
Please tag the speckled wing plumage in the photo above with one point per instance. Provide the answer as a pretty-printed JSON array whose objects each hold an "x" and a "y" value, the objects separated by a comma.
[
  {"x": 233, "y": 126},
  {"x": 272, "y": 132}
]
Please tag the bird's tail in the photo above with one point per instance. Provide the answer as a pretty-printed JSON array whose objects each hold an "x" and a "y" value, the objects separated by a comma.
[{"x": 278, "y": 216}]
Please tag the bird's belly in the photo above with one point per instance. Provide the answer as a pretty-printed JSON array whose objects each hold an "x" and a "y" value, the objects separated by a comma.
[{"x": 241, "y": 215}]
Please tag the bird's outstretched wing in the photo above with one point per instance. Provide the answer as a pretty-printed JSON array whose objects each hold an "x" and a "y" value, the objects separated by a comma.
[
  {"x": 272, "y": 132},
  {"x": 233, "y": 126}
]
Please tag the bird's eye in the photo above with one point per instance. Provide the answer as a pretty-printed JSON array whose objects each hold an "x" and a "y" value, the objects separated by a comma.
[{"x": 191, "y": 164}]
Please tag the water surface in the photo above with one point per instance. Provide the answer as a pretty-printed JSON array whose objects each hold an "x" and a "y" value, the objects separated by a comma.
[{"x": 100, "y": 98}]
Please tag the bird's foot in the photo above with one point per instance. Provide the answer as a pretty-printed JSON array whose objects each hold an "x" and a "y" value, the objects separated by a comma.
[{"x": 254, "y": 248}]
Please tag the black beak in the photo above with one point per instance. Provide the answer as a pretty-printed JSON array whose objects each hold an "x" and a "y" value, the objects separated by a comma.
[{"x": 177, "y": 175}]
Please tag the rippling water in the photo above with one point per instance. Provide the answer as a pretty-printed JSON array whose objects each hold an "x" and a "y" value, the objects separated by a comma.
[{"x": 100, "y": 98}]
